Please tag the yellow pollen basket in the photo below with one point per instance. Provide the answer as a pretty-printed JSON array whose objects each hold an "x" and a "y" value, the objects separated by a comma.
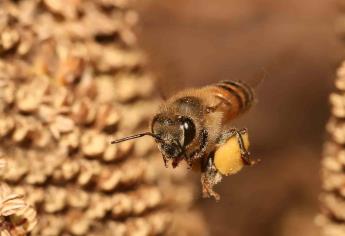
[{"x": 227, "y": 158}]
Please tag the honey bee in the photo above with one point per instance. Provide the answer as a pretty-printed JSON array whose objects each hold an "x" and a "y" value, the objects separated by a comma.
[{"x": 193, "y": 125}]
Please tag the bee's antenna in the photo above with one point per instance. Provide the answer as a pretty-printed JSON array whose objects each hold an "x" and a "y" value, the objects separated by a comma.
[{"x": 156, "y": 137}]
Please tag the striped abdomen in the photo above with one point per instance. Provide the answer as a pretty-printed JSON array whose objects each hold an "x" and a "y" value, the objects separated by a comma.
[{"x": 236, "y": 97}]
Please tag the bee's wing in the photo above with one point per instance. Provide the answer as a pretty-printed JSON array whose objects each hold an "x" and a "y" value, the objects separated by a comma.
[{"x": 257, "y": 79}]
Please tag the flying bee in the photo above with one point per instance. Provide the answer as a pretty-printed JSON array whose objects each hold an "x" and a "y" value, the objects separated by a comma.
[{"x": 193, "y": 125}]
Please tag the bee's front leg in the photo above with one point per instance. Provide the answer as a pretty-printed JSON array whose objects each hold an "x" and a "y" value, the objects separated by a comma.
[
  {"x": 209, "y": 177},
  {"x": 165, "y": 160},
  {"x": 201, "y": 153},
  {"x": 245, "y": 154}
]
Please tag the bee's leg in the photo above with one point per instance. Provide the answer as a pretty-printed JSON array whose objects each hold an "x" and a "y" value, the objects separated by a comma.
[
  {"x": 245, "y": 154},
  {"x": 209, "y": 177},
  {"x": 202, "y": 149},
  {"x": 165, "y": 160},
  {"x": 189, "y": 163}
]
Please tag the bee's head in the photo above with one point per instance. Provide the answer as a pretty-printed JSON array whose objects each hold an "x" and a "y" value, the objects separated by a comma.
[
  {"x": 172, "y": 134},
  {"x": 175, "y": 134}
]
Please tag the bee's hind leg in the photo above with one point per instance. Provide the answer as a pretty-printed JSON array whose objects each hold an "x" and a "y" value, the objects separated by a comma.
[{"x": 245, "y": 154}]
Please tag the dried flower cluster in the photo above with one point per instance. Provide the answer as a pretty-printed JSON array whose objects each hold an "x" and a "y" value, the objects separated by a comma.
[
  {"x": 332, "y": 219},
  {"x": 17, "y": 217},
  {"x": 71, "y": 79}
]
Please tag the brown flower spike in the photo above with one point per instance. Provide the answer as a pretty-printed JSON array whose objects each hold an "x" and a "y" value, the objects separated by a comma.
[
  {"x": 71, "y": 79},
  {"x": 17, "y": 217},
  {"x": 332, "y": 219}
]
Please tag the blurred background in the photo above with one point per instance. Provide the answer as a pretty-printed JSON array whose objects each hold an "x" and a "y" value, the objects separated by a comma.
[{"x": 293, "y": 46}]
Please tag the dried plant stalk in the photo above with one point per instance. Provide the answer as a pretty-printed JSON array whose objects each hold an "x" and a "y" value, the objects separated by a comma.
[{"x": 71, "y": 79}]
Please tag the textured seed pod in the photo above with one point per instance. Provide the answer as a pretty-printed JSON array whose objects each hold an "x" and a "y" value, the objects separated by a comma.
[{"x": 72, "y": 78}]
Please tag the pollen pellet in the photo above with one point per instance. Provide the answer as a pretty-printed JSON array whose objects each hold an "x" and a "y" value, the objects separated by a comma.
[{"x": 227, "y": 158}]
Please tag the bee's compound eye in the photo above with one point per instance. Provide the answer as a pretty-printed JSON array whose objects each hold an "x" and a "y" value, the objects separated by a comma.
[{"x": 188, "y": 130}]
